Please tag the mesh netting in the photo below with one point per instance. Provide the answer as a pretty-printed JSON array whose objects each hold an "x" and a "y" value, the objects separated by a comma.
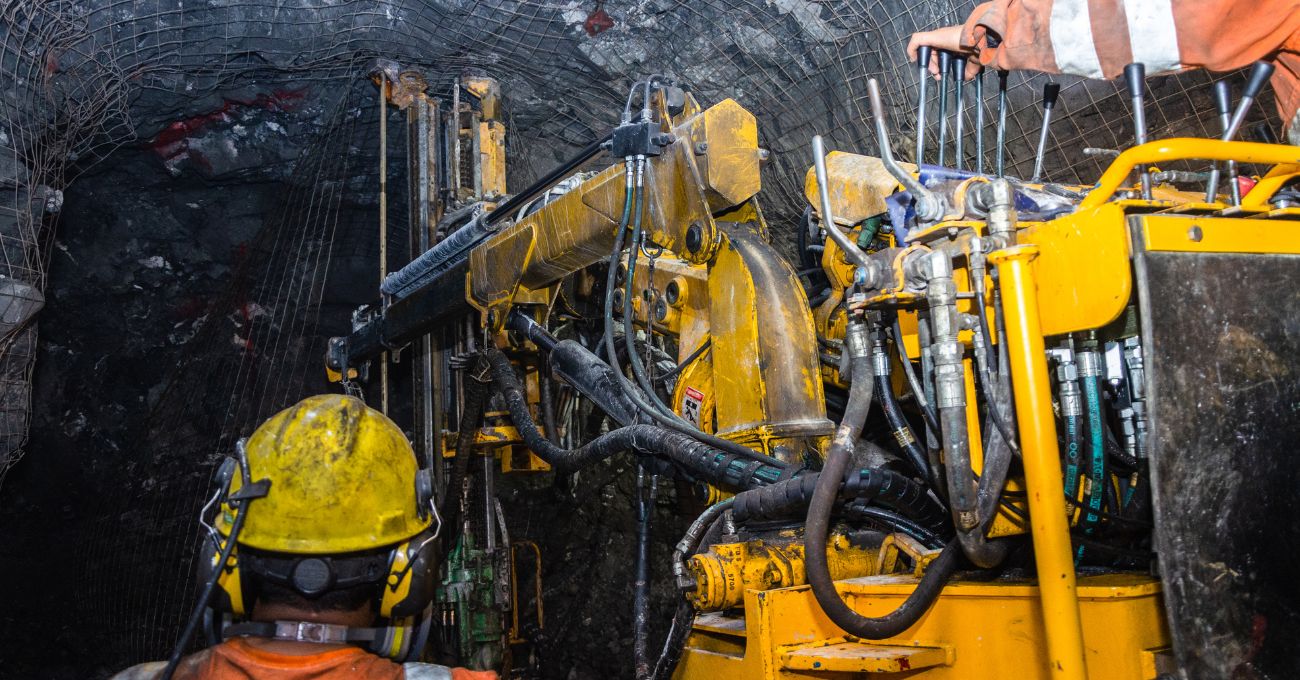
[{"x": 82, "y": 76}]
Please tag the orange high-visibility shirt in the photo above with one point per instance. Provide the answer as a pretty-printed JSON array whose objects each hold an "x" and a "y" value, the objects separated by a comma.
[
  {"x": 1098, "y": 38},
  {"x": 238, "y": 660}
]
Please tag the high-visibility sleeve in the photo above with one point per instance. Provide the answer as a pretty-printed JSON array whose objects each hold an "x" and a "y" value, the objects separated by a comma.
[{"x": 1098, "y": 38}]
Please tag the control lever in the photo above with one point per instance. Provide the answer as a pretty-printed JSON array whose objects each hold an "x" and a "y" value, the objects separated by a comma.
[
  {"x": 1050, "y": 91},
  {"x": 1135, "y": 77},
  {"x": 850, "y": 249},
  {"x": 1223, "y": 103},
  {"x": 922, "y": 76},
  {"x": 945, "y": 63},
  {"x": 959, "y": 132},
  {"x": 1001, "y": 140},
  {"x": 1259, "y": 74},
  {"x": 929, "y": 208},
  {"x": 979, "y": 122}
]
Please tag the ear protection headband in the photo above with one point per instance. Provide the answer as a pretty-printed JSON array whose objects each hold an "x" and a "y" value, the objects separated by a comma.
[{"x": 406, "y": 574}]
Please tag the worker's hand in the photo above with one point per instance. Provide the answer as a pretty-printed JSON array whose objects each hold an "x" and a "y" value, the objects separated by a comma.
[{"x": 947, "y": 39}]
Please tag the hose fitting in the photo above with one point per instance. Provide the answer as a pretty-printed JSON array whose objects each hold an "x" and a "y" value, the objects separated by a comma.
[{"x": 1002, "y": 214}]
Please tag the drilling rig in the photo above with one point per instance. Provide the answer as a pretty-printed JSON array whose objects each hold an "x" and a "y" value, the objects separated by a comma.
[{"x": 1078, "y": 384}]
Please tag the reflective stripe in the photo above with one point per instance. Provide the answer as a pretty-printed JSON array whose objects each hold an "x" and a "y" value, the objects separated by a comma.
[
  {"x": 425, "y": 671},
  {"x": 1152, "y": 35},
  {"x": 1071, "y": 31}
]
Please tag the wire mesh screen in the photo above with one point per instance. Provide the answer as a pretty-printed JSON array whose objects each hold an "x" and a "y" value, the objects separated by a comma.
[{"x": 83, "y": 76}]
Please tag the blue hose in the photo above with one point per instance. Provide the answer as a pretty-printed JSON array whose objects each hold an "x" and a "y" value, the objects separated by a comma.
[{"x": 1097, "y": 471}]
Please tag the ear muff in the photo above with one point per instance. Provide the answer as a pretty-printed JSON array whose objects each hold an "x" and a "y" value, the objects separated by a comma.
[
  {"x": 229, "y": 594},
  {"x": 409, "y": 586},
  {"x": 395, "y": 640}
]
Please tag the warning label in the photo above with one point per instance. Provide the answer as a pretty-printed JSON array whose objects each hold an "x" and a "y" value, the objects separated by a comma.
[{"x": 692, "y": 399}]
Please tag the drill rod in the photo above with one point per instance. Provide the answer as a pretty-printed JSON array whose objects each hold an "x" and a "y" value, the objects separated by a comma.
[
  {"x": 1259, "y": 74},
  {"x": 959, "y": 133},
  {"x": 979, "y": 122},
  {"x": 1001, "y": 140},
  {"x": 1135, "y": 78},
  {"x": 1050, "y": 90},
  {"x": 922, "y": 76},
  {"x": 945, "y": 61}
]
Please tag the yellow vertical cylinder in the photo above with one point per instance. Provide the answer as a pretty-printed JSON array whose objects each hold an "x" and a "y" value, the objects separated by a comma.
[{"x": 1029, "y": 380}]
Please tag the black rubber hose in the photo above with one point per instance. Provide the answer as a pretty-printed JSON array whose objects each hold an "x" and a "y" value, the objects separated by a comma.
[
  {"x": 641, "y": 582},
  {"x": 701, "y": 461},
  {"x": 918, "y": 393},
  {"x": 675, "y": 642},
  {"x": 684, "y": 617},
  {"x": 477, "y": 387},
  {"x": 824, "y": 498},
  {"x": 631, "y": 390},
  {"x": 875, "y": 485},
  {"x": 629, "y": 332},
  {"x": 546, "y": 401},
  {"x": 898, "y": 424},
  {"x": 895, "y": 522},
  {"x": 988, "y": 381},
  {"x": 690, "y": 359}
]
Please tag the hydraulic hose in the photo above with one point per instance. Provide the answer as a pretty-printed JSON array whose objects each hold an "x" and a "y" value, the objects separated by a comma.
[
  {"x": 631, "y": 390},
  {"x": 895, "y": 521},
  {"x": 641, "y": 583},
  {"x": 702, "y": 461},
  {"x": 546, "y": 401},
  {"x": 690, "y": 359},
  {"x": 1090, "y": 378},
  {"x": 918, "y": 393},
  {"x": 629, "y": 332},
  {"x": 865, "y": 485},
  {"x": 824, "y": 499},
  {"x": 477, "y": 387},
  {"x": 898, "y": 424},
  {"x": 989, "y": 378},
  {"x": 950, "y": 395},
  {"x": 684, "y": 617}
]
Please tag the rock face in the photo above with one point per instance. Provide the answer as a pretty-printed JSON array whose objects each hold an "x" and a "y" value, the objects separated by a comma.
[{"x": 212, "y": 169}]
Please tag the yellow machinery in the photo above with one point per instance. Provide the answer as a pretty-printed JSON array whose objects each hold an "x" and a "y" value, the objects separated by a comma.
[{"x": 1021, "y": 339}]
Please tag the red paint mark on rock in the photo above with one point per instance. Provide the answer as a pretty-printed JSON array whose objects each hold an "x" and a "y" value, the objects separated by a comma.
[
  {"x": 598, "y": 21},
  {"x": 172, "y": 143}
]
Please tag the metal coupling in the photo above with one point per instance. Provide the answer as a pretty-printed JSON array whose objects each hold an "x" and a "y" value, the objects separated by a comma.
[
  {"x": 1140, "y": 429},
  {"x": 1089, "y": 363},
  {"x": 1136, "y": 369},
  {"x": 879, "y": 360},
  {"x": 1002, "y": 212},
  {"x": 949, "y": 375},
  {"x": 1071, "y": 399},
  {"x": 1067, "y": 377},
  {"x": 856, "y": 342},
  {"x": 945, "y": 323}
]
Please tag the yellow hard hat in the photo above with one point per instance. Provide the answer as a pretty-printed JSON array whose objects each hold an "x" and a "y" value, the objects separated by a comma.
[{"x": 343, "y": 479}]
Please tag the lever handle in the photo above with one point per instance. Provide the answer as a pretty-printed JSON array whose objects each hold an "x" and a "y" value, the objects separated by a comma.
[
  {"x": 1223, "y": 98},
  {"x": 1259, "y": 74},
  {"x": 945, "y": 62},
  {"x": 923, "y": 57},
  {"x": 959, "y": 67},
  {"x": 1135, "y": 77},
  {"x": 1050, "y": 91}
]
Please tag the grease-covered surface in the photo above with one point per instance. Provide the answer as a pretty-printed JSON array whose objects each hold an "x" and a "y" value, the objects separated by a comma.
[{"x": 1222, "y": 335}]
